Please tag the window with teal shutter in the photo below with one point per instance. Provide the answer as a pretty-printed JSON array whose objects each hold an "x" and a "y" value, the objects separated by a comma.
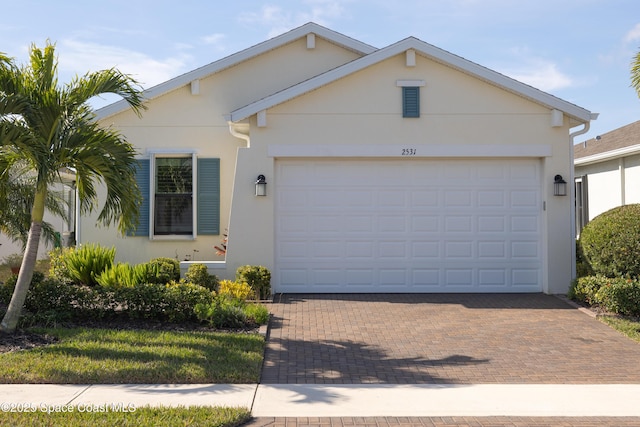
[
  {"x": 411, "y": 101},
  {"x": 208, "y": 196},
  {"x": 143, "y": 176}
]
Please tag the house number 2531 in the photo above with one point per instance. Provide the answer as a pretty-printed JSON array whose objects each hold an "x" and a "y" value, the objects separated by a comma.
[{"x": 408, "y": 151}]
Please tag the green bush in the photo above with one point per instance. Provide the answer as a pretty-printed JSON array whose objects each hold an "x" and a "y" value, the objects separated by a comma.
[
  {"x": 585, "y": 288},
  {"x": 84, "y": 264},
  {"x": 223, "y": 312},
  {"x": 616, "y": 295},
  {"x": 620, "y": 296},
  {"x": 610, "y": 243},
  {"x": 257, "y": 313},
  {"x": 258, "y": 277},
  {"x": 123, "y": 275},
  {"x": 199, "y": 275},
  {"x": 181, "y": 298},
  {"x": 145, "y": 301},
  {"x": 163, "y": 270}
]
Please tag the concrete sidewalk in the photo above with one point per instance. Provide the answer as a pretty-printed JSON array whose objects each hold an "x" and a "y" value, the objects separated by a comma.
[{"x": 362, "y": 400}]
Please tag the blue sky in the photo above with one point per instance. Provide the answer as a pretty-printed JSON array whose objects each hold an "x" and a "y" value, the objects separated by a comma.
[{"x": 578, "y": 50}]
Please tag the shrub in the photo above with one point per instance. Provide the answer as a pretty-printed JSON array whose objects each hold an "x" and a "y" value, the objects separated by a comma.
[
  {"x": 257, "y": 313},
  {"x": 199, "y": 275},
  {"x": 258, "y": 278},
  {"x": 144, "y": 301},
  {"x": 163, "y": 270},
  {"x": 611, "y": 242},
  {"x": 237, "y": 290},
  {"x": 585, "y": 288},
  {"x": 84, "y": 264},
  {"x": 620, "y": 296},
  {"x": 223, "y": 312},
  {"x": 123, "y": 275},
  {"x": 181, "y": 299}
]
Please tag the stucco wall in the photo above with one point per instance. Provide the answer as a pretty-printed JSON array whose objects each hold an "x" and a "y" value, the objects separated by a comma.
[
  {"x": 179, "y": 120},
  {"x": 365, "y": 108}
]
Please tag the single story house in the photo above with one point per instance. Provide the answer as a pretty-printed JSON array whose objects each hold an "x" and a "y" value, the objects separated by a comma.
[
  {"x": 346, "y": 168},
  {"x": 607, "y": 170}
]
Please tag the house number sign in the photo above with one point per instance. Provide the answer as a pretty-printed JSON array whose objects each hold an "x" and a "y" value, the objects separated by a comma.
[{"x": 409, "y": 151}]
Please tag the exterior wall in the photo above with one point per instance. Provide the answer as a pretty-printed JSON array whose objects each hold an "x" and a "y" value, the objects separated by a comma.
[
  {"x": 181, "y": 121},
  {"x": 611, "y": 183},
  {"x": 365, "y": 109}
]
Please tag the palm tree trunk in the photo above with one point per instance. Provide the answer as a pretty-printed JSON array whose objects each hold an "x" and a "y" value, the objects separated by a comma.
[{"x": 11, "y": 317}]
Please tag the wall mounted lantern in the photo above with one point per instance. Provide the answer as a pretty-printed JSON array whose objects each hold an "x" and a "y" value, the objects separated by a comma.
[
  {"x": 261, "y": 186},
  {"x": 559, "y": 186}
]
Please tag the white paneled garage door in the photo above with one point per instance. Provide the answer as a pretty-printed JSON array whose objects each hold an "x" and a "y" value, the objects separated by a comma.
[{"x": 408, "y": 226}]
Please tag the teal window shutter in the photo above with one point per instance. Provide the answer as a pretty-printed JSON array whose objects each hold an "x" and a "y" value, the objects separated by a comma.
[
  {"x": 411, "y": 101},
  {"x": 208, "y": 196},
  {"x": 143, "y": 178}
]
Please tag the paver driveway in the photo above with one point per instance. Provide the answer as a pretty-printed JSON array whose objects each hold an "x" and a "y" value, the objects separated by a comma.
[{"x": 442, "y": 339}]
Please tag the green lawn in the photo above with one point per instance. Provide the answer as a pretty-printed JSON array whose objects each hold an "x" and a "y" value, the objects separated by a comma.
[
  {"x": 105, "y": 356},
  {"x": 141, "y": 417},
  {"x": 628, "y": 326}
]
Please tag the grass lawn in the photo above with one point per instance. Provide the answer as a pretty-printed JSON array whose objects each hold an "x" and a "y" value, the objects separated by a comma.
[
  {"x": 628, "y": 326},
  {"x": 105, "y": 356},
  {"x": 141, "y": 417}
]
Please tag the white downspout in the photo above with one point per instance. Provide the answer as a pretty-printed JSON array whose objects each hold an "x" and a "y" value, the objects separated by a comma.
[
  {"x": 234, "y": 132},
  {"x": 572, "y": 190}
]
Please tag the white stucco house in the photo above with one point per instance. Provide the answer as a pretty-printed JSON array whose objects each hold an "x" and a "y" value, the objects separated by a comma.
[
  {"x": 400, "y": 169},
  {"x": 607, "y": 170}
]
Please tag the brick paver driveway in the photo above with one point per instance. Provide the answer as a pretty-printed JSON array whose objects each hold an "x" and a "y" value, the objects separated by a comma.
[{"x": 442, "y": 339}]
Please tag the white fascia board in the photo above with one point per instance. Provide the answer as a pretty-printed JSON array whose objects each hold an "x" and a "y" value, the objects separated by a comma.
[
  {"x": 608, "y": 155},
  {"x": 429, "y": 51},
  {"x": 236, "y": 58}
]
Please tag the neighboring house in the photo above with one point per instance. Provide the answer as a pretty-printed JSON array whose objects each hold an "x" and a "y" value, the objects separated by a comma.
[
  {"x": 64, "y": 226},
  {"x": 401, "y": 169},
  {"x": 607, "y": 170}
]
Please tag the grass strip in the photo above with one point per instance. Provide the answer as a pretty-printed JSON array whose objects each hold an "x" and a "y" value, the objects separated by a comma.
[
  {"x": 105, "y": 356},
  {"x": 628, "y": 326},
  {"x": 192, "y": 416}
]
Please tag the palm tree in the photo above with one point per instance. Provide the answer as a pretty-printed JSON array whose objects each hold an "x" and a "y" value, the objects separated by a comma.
[
  {"x": 50, "y": 128},
  {"x": 635, "y": 73}
]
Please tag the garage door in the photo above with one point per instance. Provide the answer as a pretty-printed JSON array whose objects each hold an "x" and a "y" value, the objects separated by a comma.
[{"x": 408, "y": 226}]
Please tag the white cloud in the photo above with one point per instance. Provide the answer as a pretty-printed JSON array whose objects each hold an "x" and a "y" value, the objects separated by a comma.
[
  {"x": 543, "y": 75},
  {"x": 633, "y": 35},
  {"x": 77, "y": 57},
  {"x": 216, "y": 41},
  {"x": 280, "y": 20}
]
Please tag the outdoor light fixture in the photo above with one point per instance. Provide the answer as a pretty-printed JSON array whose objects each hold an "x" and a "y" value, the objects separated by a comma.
[
  {"x": 261, "y": 186},
  {"x": 559, "y": 186}
]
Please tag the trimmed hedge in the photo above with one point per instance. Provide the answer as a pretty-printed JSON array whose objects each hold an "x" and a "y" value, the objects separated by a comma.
[
  {"x": 610, "y": 243},
  {"x": 616, "y": 295}
]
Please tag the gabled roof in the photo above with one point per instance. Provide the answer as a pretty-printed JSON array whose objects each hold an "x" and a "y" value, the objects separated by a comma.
[
  {"x": 431, "y": 52},
  {"x": 244, "y": 55},
  {"x": 616, "y": 143}
]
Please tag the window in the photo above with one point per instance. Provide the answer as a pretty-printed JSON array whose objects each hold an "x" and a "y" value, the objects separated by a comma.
[
  {"x": 173, "y": 196},
  {"x": 582, "y": 203},
  {"x": 181, "y": 196}
]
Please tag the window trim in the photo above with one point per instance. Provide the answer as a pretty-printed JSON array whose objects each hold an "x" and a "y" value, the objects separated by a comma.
[{"x": 153, "y": 155}]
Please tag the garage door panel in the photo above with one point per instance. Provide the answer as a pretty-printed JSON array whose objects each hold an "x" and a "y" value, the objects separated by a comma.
[{"x": 472, "y": 226}]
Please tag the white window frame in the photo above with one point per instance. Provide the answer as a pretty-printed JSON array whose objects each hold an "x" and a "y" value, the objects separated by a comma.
[{"x": 153, "y": 155}]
